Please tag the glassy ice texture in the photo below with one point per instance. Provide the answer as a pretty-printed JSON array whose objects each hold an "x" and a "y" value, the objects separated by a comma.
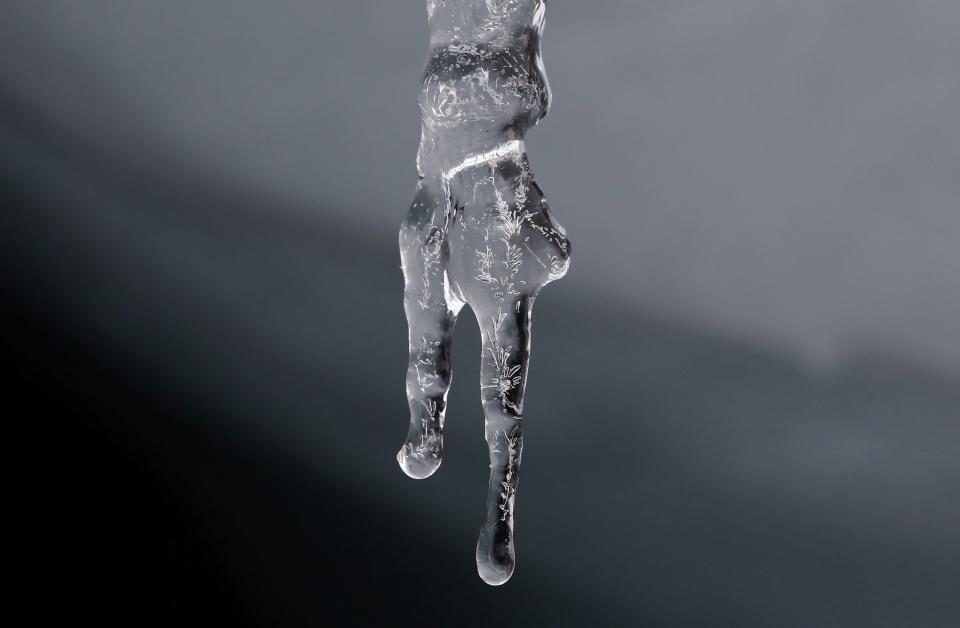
[{"x": 478, "y": 232}]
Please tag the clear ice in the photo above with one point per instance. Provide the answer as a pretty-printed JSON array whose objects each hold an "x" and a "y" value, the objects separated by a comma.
[{"x": 478, "y": 232}]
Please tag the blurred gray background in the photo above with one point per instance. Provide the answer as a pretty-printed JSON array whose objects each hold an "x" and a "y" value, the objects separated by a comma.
[{"x": 743, "y": 406}]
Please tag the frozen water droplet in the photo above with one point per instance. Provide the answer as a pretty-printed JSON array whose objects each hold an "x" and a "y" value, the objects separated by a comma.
[{"x": 478, "y": 232}]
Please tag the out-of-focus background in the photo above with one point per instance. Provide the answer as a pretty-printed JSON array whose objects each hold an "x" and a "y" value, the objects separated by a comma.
[{"x": 744, "y": 404}]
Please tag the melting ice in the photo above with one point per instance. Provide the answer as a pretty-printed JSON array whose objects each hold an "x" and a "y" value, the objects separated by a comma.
[{"x": 478, "y": 232}]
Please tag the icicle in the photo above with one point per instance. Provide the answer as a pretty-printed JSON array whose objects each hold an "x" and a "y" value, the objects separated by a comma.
[{"x": 478, "y": 232}]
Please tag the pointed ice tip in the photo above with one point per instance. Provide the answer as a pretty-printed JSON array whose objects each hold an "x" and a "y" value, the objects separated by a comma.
[{"x": 418, "y": 468}]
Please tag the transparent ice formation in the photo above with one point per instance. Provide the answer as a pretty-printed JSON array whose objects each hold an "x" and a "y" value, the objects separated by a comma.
[{"x": 478, "y": 232}]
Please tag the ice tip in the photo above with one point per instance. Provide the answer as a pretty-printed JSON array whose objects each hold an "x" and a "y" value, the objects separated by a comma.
[
  {"x": 418, "y": 468},
  {"x": 495, "y": 563},
  {"x": 493, "y": 575}
]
